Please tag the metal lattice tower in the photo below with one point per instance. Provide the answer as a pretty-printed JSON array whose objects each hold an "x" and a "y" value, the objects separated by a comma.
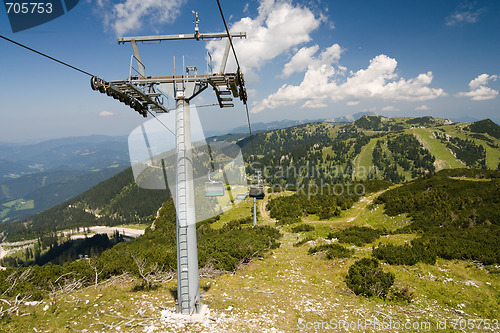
[{"x": 139, "y": 91}]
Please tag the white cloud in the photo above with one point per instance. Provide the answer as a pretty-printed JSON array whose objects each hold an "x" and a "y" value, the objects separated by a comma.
[
  {"x": 422, "y": 108},
  {"x": 465, "y": 13},
  {"x": 352, "y": 103},
  {"x": 299, "y": 61},
  {"x": 106, "y": 114},
  {"x": 478, "y": 91},
  {"x": 311, "y": 104},
  {"x": 390, "y": 108},
  {"x": 304, "y": 58},
  {"x": 129, "y": 15},
  {"x": 379, "y": 80},
  {"x": 278, "y": 27}
]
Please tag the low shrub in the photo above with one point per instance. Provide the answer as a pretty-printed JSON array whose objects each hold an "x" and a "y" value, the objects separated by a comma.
[
  {"x": 366, "y": 278},
  {"x": 356, "y": 235},
  {"x": 303, "y": 228},
  {"x": 332, "y": 251}
]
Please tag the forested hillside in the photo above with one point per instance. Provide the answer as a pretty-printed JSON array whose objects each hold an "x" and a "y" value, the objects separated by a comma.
[
  {"x": 395, "y": 149},
  {"x": 458, "y": 212},
  {"x": 219, "y": 250},
  {"x": 117, "y": 200},
  {"x": 314, "y": 154}
]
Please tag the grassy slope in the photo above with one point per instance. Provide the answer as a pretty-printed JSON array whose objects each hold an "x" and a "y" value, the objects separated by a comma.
[
  {"x": 287, "y": 286},
  {"x": 364, "y": 161},
  {"x": 444, "y": 157},
  {"x": 492, "y": 154}
]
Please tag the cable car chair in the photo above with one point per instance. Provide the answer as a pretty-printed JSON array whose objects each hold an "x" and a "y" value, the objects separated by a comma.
[
  {"x": 241, "y": 196},
  {"x": 214, "y": 188},
  {"x": 257, "y": 190}
]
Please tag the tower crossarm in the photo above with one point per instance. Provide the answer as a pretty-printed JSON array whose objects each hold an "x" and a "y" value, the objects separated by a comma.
[{"x": 159, "y": 38}]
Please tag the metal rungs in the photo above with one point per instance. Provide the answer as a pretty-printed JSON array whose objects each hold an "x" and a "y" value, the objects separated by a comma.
[
  {"x": 145, "y": 98},
  {"x": 228, "y": 105}
]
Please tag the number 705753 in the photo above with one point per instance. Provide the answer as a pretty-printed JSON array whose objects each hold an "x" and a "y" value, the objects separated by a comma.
[{"x": 29, "y": 7}]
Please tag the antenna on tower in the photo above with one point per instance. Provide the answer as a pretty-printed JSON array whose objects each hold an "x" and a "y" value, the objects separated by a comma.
[{"x": 196, "y": 27}]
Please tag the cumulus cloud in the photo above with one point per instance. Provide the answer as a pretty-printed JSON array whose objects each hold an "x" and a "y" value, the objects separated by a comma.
[
  {"x": 278, "y": 27},
  {"x": 299, "y": 61},
  {"x": 422, "y": 108},
  {"x": 106, "y": 114},
  {"x": 379, "y": 81},
  {"x": 478, "y": 91},
  {"x": 305, "y": 58},
  {"x": 125, "y": 16},
  {"x": 390, "y": 108},
  {"x": 312, "y": 104},
  {"x": 465, "y": 13}
]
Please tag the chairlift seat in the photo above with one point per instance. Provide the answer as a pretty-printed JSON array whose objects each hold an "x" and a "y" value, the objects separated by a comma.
[
  {"x": 242, "y": 196},
  {"x": 214, "y": 189},
  {"x": 256, "y": 192}
]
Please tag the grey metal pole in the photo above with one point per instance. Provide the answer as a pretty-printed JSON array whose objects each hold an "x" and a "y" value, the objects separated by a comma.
[
  {"x": 254, "y": 212},
  {"x": 188, "y": 285}
]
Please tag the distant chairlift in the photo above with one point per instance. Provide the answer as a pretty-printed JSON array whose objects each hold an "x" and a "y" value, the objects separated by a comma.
[
  {"x": 214, "y": 188},
  {"x": 242, "y": 196},
  {"x": 257, "y": 189}
]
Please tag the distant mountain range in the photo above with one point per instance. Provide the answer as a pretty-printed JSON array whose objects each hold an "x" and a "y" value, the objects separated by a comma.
[
  {"x": 80, "y": 153},
  {"x": 280, "y": 124},
  {"x": 34, "y": 177}
]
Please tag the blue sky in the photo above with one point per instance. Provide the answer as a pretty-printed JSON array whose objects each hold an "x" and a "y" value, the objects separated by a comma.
[{"x": 302, "y": 60}]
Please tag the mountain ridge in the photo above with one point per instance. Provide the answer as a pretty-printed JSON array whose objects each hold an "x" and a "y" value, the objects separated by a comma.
[{"x": 333, "y": 152}]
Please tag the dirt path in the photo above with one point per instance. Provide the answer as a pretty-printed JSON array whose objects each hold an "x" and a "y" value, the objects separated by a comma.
[
  {"x": 263, "y": 212},
  {"x": 352, "y": 213}
]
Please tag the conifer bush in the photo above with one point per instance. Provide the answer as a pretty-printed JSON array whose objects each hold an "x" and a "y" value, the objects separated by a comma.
[{"x": 366, "y": 278}]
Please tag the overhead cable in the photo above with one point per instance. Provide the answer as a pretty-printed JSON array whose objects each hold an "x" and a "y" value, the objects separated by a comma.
[
  {"x": 238, "y": 64},
  {"x": 46, "y": 56},
  {"x": 72, "y": 67}
]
